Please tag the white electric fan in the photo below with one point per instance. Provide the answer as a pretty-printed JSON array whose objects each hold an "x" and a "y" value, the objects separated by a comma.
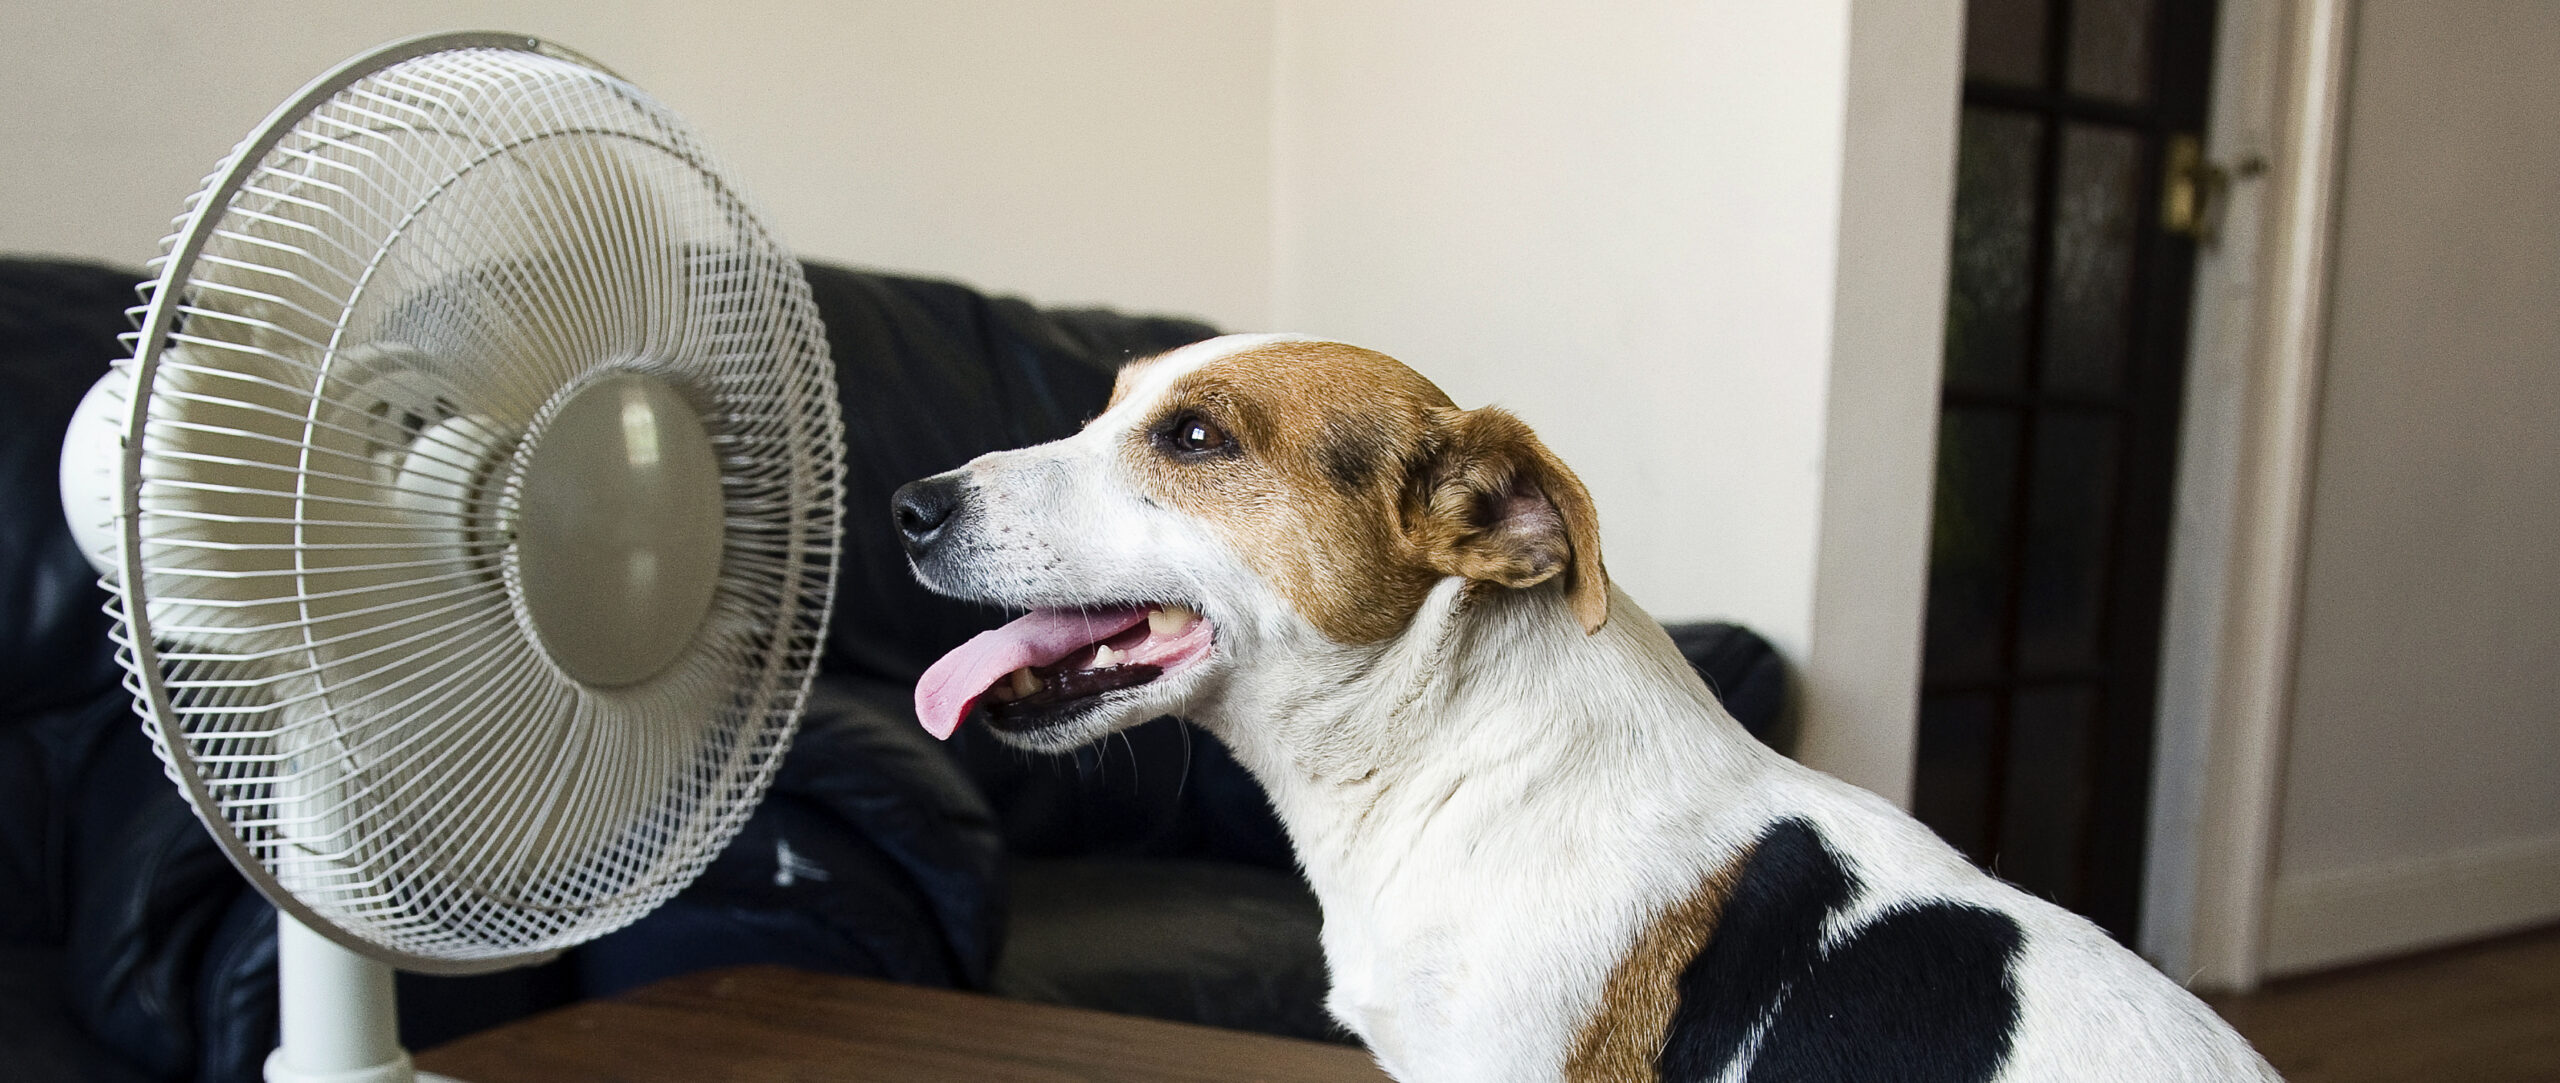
[{"x": 470, "y": 504}]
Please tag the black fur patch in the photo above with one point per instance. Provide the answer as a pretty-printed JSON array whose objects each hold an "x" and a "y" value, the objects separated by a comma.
[
  {"x": 1922, "y": 993},
  {"x": 1350, "y": 452}
]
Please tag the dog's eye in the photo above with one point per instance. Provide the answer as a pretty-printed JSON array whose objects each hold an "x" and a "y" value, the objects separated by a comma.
[{"x": 1192, "y": 434}]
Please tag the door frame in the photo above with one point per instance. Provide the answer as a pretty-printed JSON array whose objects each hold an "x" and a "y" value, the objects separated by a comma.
[{"x": 2243, "y": 493}]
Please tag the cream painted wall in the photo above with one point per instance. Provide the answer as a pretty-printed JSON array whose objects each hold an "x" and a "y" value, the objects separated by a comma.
[
  {"x": 2422, "y": 781},
  {"x": 1880, "y": 416},
  {"x": 1699, "y": 244},
  {"x": 1625, "y": 223},
  {"x": 1626, "y": 239},
  {"x": 1097, "y": 151}
]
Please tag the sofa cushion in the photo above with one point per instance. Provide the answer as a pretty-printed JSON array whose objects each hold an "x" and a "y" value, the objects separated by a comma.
[
  {"x": 1208, "y": 942},
  {"x": 871, "y": 855},
  {"x": 38, "y": 1039},
  {"x": 1744, "y": 670},
  {"x": 149, "y": 892}
]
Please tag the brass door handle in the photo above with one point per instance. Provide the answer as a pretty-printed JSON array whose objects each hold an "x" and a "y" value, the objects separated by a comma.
[{"x": 2193, "y": 190}]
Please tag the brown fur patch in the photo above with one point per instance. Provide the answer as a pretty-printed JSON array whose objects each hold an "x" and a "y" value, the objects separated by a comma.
[
  {"x": 1354, "y": 484},
  {"x": 1624, "y": 1037},
  {"x": 1303, "y": 416}
]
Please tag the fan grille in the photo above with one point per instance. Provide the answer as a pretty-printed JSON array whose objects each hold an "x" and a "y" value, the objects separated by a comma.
[{"x": 362, "y": 327}]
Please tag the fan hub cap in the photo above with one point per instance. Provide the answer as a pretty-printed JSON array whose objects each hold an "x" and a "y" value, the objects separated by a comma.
[{"x": 619, "y": 529}]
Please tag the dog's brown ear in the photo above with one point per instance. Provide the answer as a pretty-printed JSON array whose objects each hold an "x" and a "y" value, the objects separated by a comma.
[{"x": 1492, "y": 504}]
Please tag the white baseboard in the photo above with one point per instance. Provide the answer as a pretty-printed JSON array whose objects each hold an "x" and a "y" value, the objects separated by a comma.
[{"x": 2326, "y": 919}]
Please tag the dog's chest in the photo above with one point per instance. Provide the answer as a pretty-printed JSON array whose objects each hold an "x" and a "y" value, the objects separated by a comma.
[
  {"x": 1472, "y": 920},
  {"x": 1438, "y": 996},
  {"x": 1474, "y": 963}
]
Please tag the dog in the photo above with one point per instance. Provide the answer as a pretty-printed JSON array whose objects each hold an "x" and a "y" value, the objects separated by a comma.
[{"x": 1543, "y": 849}]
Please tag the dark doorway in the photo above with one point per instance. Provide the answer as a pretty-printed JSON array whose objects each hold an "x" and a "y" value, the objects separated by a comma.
[{"x": 2065, "y": 352}]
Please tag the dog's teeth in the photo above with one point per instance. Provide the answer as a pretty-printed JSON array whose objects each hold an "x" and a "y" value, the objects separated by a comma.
[
  {"x": 1103, "y": 655},
  {"x": 1170, "y": 620},
  {"x": 1023, "y": 682}
]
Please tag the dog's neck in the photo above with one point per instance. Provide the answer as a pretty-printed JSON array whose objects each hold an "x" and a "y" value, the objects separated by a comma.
[{"x": 1484, "y": 686}]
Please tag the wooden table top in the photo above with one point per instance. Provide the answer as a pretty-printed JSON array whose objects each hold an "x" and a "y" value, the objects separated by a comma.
[{"x": 764, "y": 1024}]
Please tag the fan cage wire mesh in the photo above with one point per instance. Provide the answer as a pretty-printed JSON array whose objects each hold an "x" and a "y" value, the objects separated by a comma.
[{"x": 357, "y": 333}]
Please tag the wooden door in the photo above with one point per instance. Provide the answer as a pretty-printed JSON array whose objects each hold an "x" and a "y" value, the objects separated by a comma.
[{"x": 2065, "y": 355}]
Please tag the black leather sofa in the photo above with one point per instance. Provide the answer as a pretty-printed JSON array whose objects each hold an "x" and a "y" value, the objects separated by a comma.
[{"x": 1146, "y": 875}]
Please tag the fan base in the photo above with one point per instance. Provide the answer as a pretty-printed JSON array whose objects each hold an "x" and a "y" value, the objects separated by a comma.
[{"x": 340, "y": 1020}]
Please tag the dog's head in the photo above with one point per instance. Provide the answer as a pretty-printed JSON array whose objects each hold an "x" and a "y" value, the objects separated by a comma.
[{"x": 1241, "y": 502}]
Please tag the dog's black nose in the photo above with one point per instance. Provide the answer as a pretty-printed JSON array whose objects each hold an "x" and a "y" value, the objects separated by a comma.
[{"x": 923, "y": 508}]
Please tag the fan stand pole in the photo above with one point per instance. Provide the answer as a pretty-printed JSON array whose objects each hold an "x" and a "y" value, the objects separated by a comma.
[{"x": 340, "y": 1022}]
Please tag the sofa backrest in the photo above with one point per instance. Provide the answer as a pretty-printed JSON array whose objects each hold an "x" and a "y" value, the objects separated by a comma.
[{"x": 58, "y": 327}]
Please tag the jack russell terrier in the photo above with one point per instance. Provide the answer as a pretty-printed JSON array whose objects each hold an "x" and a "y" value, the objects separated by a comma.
[{"x": 1543, "y": 850}]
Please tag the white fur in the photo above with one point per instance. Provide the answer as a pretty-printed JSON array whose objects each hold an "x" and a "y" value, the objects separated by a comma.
[{"x": 1492, "y": 805}]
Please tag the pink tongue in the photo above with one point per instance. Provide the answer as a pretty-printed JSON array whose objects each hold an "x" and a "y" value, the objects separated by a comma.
[{"x": 953, "y": 685}]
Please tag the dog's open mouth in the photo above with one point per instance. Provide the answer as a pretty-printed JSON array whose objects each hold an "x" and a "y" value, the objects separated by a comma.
[{"x": 1044, "y": 668}]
